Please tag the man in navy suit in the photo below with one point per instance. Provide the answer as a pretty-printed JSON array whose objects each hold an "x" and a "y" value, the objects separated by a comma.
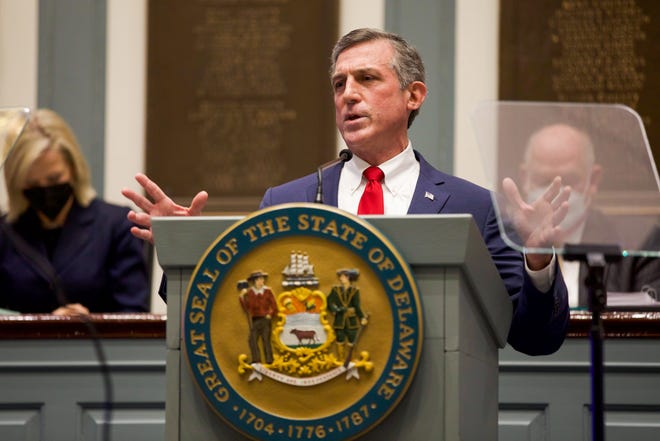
[{"x": 378, "y": 83}]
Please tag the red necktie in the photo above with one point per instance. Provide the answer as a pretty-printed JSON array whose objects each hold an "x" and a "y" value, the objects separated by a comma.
[{"x": 372, "y": 198}]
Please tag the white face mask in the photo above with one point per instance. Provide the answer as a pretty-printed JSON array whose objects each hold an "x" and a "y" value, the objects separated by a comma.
[{"x": 577, "y": 207}]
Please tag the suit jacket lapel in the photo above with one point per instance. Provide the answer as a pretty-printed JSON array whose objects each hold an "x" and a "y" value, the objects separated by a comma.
[
  {"x": 330, "y": 186},
  {"x": 76, "y": 233},
  {"x": 428, "y": 196},
  {"x": 35, "y": 253},
  {"x": 311, "y": 193}
]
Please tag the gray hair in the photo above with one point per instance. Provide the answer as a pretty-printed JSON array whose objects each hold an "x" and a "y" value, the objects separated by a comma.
[{"x": 407, "y": 63}]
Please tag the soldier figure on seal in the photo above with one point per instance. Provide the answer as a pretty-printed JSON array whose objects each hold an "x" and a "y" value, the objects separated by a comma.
[{"x": 344, "y": 303}]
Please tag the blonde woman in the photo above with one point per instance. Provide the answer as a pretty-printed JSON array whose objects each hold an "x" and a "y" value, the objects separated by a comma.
[{"x": 62, "y": 249}]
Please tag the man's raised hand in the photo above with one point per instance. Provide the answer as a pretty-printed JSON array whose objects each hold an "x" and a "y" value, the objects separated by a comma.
[{"x": 157, "y": 204}]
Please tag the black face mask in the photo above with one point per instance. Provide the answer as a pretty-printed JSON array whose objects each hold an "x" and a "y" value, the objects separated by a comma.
[{"x": 49, "y": 200}]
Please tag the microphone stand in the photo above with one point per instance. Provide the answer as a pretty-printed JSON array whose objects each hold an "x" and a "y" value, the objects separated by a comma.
[
  {"x": 596, "y": 257},
  {"x": 344, "y": 156}
]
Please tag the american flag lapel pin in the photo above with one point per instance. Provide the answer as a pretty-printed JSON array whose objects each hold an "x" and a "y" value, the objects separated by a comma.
[{"x": 429, "y": 196}]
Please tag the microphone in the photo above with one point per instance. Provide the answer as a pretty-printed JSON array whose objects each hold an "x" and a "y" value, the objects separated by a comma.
[{"x": 344, "y": 156}]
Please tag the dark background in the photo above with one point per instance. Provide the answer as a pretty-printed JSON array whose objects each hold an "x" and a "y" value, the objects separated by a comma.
[{"x": 588, "y": 51}]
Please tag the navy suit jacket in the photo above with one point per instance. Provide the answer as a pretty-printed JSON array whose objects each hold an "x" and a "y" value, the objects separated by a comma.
[
  {"x": 540, "y": 320},
  {"x": 99, "y": 262}
]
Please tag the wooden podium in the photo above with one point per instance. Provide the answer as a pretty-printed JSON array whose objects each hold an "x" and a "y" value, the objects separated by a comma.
[{"x": 467, "y": 313}]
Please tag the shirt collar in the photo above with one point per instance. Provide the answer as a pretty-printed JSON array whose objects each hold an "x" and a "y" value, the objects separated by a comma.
[{"x": 394, "y": 169}]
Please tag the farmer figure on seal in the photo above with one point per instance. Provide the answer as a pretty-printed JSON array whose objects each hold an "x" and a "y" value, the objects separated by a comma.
[{"x": 258, "y": 302}]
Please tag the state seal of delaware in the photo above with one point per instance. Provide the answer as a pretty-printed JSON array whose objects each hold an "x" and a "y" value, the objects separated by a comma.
[{"x": 302, "y": 321}]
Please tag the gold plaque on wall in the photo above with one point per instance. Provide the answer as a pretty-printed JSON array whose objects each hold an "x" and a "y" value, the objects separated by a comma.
[
  {"x": 583, "y": 51},
  {"x": 238, "y": 96}
]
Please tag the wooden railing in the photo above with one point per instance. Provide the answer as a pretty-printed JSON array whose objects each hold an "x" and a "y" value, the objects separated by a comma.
[
  {"x": 128, "y": 325},
  {"x": 617, "y": 324}
]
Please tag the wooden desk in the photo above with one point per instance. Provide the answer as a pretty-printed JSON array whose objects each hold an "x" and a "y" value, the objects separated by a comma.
[
  {"x": 547, "y": 398},
  {"x": 52, "y": 387}
]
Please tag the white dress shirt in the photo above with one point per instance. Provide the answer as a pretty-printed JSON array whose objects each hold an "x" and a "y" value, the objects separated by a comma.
[
  {"x": 401, "y": 174},
  {"x": 571, "y": 270}
]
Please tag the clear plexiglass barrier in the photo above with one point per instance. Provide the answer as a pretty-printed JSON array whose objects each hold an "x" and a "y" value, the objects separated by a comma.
[{"x": 570, "y": 173}]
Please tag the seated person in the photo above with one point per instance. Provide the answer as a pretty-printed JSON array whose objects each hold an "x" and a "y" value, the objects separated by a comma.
[
  {"x": 62, "y": 249},
  {"x": 640, "y": 274},
  {"x": 567, "y": 151}
]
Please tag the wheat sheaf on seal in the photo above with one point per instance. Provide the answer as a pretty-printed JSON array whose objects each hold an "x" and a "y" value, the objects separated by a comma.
[{"x": 302, "y": 336}]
